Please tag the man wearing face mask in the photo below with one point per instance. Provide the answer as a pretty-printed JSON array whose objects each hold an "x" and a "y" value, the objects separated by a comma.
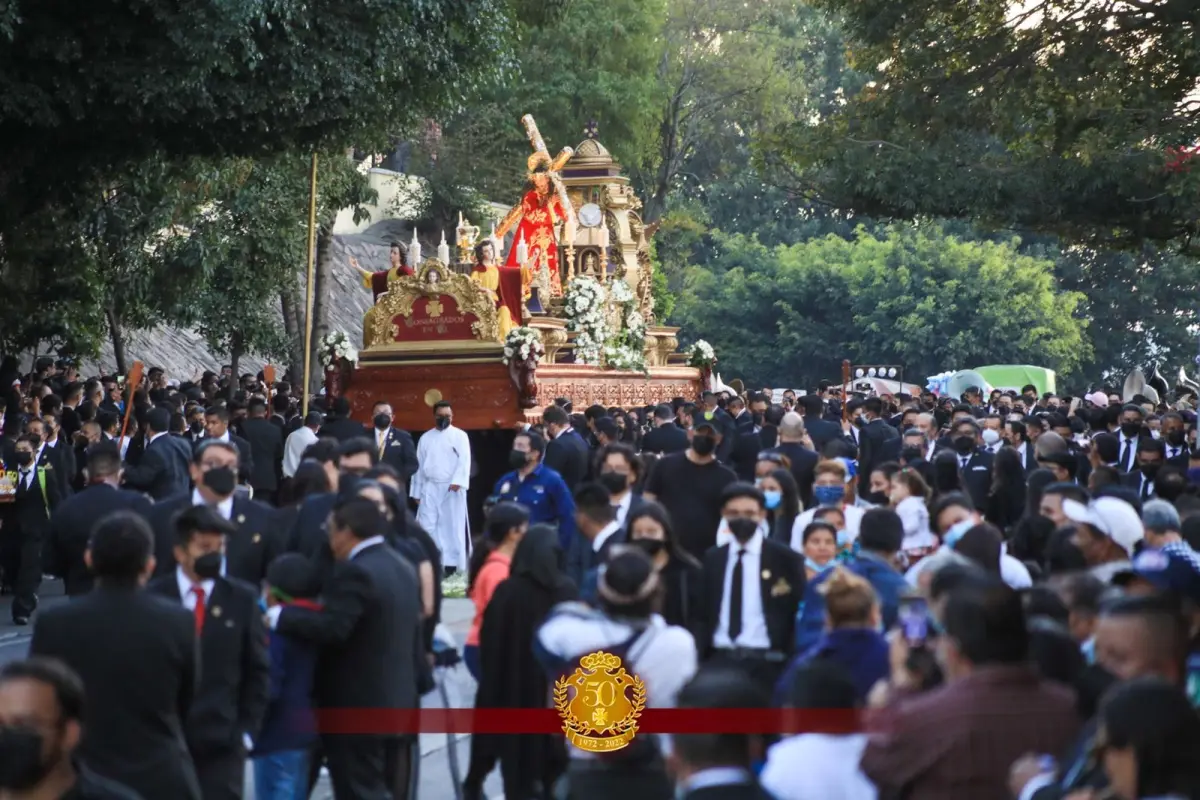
[
  {"x": 829, "y": 491},
  {"x": 620, "y": 469},
  {"x": 566, "y": 451},
  {"x": 1132, "y": 429},
  {"x": 216, "y": 425},
  {"x": 234, "y": 670},
  {"x": 41, "y": 726},
  {"x": 537, "y": 487},
  {"x": 440, "y": 486},
  {"x": 1150, "y": 458},
  {"x": 254, "y": 543},
  {"x": 1174, "y": 436},
  {"x": 396, "y": 448},
  {"x": 26, "y": 523},
  {"x": 689, "y": 486},
  {"x": 974, "y": 463},
  {"x": 754, "y": 586},
  {"x": 878, "y": 442}
]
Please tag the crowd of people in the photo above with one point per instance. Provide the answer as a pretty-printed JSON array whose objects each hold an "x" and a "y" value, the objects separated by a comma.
[{"x": 1003, "y": 590}]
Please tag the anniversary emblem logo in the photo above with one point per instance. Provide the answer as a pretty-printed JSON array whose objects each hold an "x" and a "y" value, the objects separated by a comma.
[{"x": 600, "y": 704}]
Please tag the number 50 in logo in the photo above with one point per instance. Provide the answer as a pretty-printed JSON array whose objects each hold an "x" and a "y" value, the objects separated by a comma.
[{"x": 600, "y": 703}]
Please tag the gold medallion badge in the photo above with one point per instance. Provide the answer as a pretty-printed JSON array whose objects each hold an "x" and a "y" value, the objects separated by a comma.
[{"x": 600, "y": 704}]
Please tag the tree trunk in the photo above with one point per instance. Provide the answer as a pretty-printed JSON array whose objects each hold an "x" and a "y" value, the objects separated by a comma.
[
  {"x": 293, "y": 324},
  {"x": 118, "y": 340},
  {"x": 235, "y": 356},
  {"x": 321, "y": 292}
]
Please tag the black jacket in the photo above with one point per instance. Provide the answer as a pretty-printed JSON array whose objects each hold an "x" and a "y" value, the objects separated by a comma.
[
  {"x": 399, "y": 452},
  {"x": 247, "y": 553},
  {"x": 163, "y": 469},
  {"x": 977, "y": 476},
  {"x": 29, "y": 513},
  {"x": 822, "y": 432},
  {"x": 235, "y": 672},
  {"x": 804, "y": 465},
  {"x": 369, "y": 631},
  {"x": 568, "y": 456},
  {"x": 71, "y": 525},
  {"x": 307, "y": 534},
  {"x": 266, "y": 452},
  {"x": 666, "y": 438},
  {"x": 136, "y": 706},
  {"x": 343, "y": 429},
  {"x": 782, "y": 582}
]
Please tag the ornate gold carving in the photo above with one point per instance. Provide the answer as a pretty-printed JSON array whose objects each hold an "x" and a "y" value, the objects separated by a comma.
[{"x": 433, "y": 279}]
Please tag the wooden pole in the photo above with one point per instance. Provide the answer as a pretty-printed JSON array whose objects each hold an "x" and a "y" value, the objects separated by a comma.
[
  {"x": 134, "y": 381},
  {"x": 308, "y": 303},
  {"x": 845, "y": 383}
]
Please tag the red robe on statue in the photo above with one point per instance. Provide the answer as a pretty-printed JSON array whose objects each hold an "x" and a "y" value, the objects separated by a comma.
[
  {"x": 377, "y": 282},
  {"x": 539, "y": 213}
]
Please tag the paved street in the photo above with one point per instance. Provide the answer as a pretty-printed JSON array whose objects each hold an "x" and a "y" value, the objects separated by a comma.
[{"x": 436, "y": 783}]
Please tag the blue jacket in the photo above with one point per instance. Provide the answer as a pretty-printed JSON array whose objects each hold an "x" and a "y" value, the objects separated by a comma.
[
  {"x": 861, "y": 653},
  {"x": 888, "y": 584},
  {"x": 289, "y": 723},
  {"x": 547, "y": 497}
]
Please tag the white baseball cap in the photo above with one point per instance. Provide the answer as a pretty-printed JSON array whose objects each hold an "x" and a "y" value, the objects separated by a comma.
[{"x": 1109, "y": 516}]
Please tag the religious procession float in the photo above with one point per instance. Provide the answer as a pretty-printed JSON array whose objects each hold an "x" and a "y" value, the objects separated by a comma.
[{"x": 565, "y": 311}]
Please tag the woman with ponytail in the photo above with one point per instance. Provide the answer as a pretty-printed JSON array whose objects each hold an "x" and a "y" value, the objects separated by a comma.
[{"x": 490, "y": 563}]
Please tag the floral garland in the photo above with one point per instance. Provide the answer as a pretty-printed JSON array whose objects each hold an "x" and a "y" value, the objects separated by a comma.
[
  {"x": 701, "y": 355},
  {"x": 627, "y": 351},
  {"x": 585, "y": 317},
  {"x": 521, "y": 343},
  {"x": 335, "y": 348}
]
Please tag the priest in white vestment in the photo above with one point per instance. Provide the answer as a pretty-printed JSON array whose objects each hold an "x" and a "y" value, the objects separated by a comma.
[{"x": 440, "y": 486}]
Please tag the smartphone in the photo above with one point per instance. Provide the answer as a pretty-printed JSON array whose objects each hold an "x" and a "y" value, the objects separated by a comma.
[{"x": 914, "y": 620}]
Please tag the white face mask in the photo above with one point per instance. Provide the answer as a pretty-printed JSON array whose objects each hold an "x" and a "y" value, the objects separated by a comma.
[{"x": 990, "y": 437}]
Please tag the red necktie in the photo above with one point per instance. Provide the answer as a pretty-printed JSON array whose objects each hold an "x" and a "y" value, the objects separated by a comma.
[{"x": 199, "y": 610}]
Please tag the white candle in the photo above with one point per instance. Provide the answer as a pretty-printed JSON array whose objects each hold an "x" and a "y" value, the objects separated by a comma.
[
  {"x": 522, "y": 251},
  {"x": 414, "y": 251},
  {"x": 444, "y": 251}
]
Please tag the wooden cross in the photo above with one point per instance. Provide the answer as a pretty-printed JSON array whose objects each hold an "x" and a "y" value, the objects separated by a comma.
[{"x": 556, "y": 164}]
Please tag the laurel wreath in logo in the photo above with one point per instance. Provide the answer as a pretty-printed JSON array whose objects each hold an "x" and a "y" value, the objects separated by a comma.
[{"x": 563, "y": 703}]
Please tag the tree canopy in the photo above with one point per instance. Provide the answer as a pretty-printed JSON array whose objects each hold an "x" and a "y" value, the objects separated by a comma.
[
  {"x": 1054, "y": 115},
  {"x": 913, "y": 296}
]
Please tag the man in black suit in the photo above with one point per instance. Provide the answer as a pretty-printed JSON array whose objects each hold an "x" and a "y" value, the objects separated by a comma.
[
  {"x": 878, "y": 443},
  {"x": 804, "y": 461},
  {"x": 712, "y": 412},
  {"x": 26, "y": 524},
  {"x": 254, "y": 543},
  {"x": 370, "y": 629},
  {"x": 719, "y": 766},
  {"x": 1017, "y": 436},
  {"x": 754, "y": 586},
  {"x": 974, "y": 462},
  {"x": 266, "y": 449},
  {"x": 72, "y": 522},
  {"x": 235, "y": 680},
  {"x": 163, "y": 468},
  {"x": 136, "y": 654},
  {"x": 1151, "y": 455},
  {"x": 55, "y": 453},
  {"x": 216, "y": 428},
  {"x": 596, "y": 522},
  {"x": 1132, "y": 421},
  {"x": 340, "y": 426},
  {"x": 667, "y": 437},
  {"x": 1174, "y": 436},
  {"x": 620, "y": 470},
  {"x": 566, "y": 451},
  {"x": 820, "y": 430},
  {"x": 395, "y": 447}
]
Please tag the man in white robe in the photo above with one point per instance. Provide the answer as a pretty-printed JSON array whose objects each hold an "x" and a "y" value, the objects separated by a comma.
[{"x": 440, "y": 486}]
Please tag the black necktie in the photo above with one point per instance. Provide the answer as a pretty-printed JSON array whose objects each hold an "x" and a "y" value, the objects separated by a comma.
[
  {"x": 735, "y": 600},
  {"x": 1125, "y": 455},
  {"x": 1145, "y": 488},
  {"x": 966, "y": 460}
]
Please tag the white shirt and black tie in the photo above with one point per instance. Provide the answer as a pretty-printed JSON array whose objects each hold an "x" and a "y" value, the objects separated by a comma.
[
  {"x": 1147, "y": 487},
  {"x": 742, "y": 623},
  {"x": 1174, "y": 452},
  {"x": 621, "y": 507},
  {"x": 1128, "y": 452}
]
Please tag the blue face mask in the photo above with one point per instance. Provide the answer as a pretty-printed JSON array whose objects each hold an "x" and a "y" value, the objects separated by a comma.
[
  {"x": 773, "y": 499},
  {"x": 843, "y": 538},
  {"x": 956, "y": 532},
  {"x": 815, "y": 567},
  {"x": 829, "y": 495}
]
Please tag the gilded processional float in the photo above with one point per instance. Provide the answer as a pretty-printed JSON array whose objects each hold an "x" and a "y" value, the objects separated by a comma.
[{"x": 564, "y": 311}]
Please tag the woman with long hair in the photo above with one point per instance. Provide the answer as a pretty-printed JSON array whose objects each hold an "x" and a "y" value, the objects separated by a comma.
[
  {"x": 490, "y": 563},
  {"x": 510, "y": 677},
  {"x": 1032, "y": 531},
  {"x": 783, "y": 503},
  {"x": 1006, "y": 499},
  {"x": 1150, "y": 737},
  {"x": 649, "y": 528},
  {"x": 946, "y": 477}
]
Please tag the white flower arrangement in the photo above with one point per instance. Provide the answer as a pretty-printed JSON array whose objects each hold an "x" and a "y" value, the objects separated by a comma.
[
  {"x": 701, "y": 355},
  {"x": 521, "y": 343},
  {"x": 585, "y": 317},
  {"x": 627, "y": 350},
  {"x": 336, "y": 347},
  {"x": 625, "y": 357}
]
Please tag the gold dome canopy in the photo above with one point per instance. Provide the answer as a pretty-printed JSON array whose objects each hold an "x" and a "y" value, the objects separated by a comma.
[{"x": 591, "y": 160}]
